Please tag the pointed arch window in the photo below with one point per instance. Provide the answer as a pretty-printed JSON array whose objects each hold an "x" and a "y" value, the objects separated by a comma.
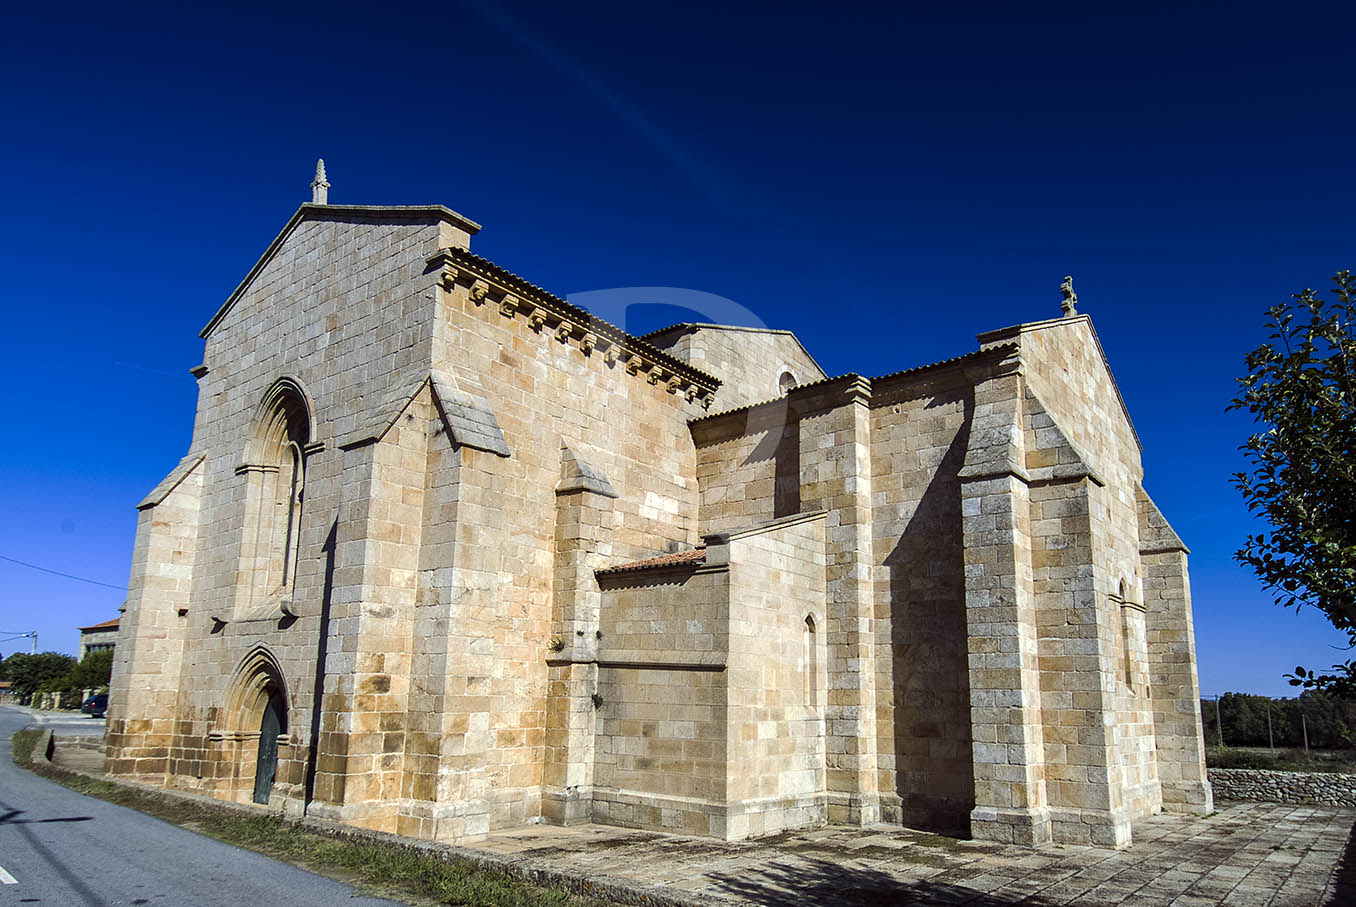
[
  {"x": 275, "y": 472},
  {"x": 811, "y": 662}
]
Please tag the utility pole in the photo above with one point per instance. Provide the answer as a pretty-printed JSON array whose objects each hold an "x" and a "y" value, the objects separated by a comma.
[
  {"x": 1271, "y": 741},
  {"x": 27, "y": 634},
  {"x": 1304, "y": 726},
  {"x": 1219, "y": 722}
]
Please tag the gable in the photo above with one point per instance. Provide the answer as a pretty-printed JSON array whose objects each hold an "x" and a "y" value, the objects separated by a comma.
[
  {"x": 1064, "y": 364},
  {"x": 375, "y": 214}
]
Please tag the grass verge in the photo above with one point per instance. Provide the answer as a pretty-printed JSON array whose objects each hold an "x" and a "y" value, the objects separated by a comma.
[{"x": 377, "y": 868}]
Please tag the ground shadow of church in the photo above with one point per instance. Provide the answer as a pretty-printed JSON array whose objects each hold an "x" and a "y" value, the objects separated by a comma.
[
  {"x": 828, "y": 884},
  {"x": 1342, "y": 886}
]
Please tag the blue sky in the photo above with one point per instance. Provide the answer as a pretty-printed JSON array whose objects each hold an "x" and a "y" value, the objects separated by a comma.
[{"x": 886, "y": 181}]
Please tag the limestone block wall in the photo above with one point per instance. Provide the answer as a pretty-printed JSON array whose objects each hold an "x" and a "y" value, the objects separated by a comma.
[
  {"x": 444, "y": 795},
  {"x": 835, "y": 476},
  {"x": 1075, "y": 416},
  {"x": 713, "y": 687},
  {"x": 371, "y": 621},
  {"x": 663, "y": 687},
  {"x": 750, "y": 362},
  {"x": 1085, "y": 779},
  {"x": 919, "y": 432},
  {"x": 1175, "y": 689},
  {"x": 1072, "y": 381},
  {"x": 748, "y": 467},
  {"x": 335, "y": 309},
  {"x": 1063, "y": 365},
  {"x": 583, "y": 505},
  {"x": 1011, "y": 803},
  {"x": 778, "y": 684},
  {"x": 547, "y": 387},
  {"x": 144, "y": 692},
  {"x": 420, "y": 606}
]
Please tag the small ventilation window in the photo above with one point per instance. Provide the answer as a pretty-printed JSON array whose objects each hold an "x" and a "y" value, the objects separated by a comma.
[{"x": 786, "y": 382}]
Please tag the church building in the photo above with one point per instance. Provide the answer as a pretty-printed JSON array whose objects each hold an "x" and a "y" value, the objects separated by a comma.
[{"x": 449, "y": 555}]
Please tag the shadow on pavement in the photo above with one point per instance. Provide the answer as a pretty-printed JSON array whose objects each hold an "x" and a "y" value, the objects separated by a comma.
[
  {"x": 1343, "y": 890},
  {"x": 12, "y": 818},
  {"x": 821, "y": 882}
]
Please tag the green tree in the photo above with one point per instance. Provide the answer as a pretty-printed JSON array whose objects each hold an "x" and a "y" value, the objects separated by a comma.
[
  {"x": 1301, "y": 390},
  {"x": 28, "y": 672},
  {"x": 93, "y": 671}
]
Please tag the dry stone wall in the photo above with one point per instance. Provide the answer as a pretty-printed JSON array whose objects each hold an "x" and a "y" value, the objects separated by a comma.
[{"x": 1267, "y": 786}]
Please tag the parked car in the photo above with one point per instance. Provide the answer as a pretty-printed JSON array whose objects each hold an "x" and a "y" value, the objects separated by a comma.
[{"x": 96, "y": 705}]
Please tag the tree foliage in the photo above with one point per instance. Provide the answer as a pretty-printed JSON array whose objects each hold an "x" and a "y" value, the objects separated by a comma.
[
  {"x": 1301, "y": 390},
  {"x": 1327, "y": 719},
  {"x": 93, "y": 671},
  {"x": 28, "y": 672}
]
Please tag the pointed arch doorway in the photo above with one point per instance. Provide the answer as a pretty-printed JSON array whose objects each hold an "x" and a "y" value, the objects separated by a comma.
[{"x": 253, "y": 738}]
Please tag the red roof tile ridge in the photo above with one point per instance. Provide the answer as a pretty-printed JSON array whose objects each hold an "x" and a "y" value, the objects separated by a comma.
[{"x": 694, "y": 556}]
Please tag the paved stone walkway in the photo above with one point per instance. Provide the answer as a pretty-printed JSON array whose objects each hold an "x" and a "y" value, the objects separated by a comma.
[{"x": 1247, "y": 855}]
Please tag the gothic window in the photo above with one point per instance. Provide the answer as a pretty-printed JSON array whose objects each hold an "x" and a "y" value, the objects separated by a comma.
[
  {"x": 275, "y": 473},
  {"x": 811, "y": 662}
]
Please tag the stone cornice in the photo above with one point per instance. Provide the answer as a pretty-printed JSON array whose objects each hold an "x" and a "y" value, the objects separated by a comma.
[{"x": 487, "y": 284}]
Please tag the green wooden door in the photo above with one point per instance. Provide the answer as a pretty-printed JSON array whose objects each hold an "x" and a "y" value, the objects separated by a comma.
[{"x": 269, "y": 729}]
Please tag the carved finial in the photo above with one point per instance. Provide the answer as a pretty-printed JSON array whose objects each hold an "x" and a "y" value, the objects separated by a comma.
[
  {"x": 320, "y": 187},
  {"x": 1070, "y": 297}
]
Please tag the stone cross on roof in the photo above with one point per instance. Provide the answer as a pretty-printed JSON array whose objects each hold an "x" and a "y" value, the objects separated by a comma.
[
  {"x": 1070, "y": 297},
  {"x": 320, "y": 187}
]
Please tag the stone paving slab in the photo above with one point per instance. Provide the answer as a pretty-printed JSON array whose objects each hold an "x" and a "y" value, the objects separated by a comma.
[{"x": 1246, "y": 855}]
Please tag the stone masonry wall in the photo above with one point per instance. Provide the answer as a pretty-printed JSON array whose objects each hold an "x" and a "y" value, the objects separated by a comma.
[
  {"x": 919, "y": 431},
  {"x": 777, "y": 686},
  {"x": 347, "y": 308},
  {"x": 1067, "y": 375},
  {"x": 144, "y": 692},
  {"x": 661, "y": 717},
  {"x": 748, "y": 467},
  {"x": 334, "y": 310},
  {"x": 749, "y": 361},
  {"x": 547, "y": 389},
  {"x": 1283, "y": 787}
]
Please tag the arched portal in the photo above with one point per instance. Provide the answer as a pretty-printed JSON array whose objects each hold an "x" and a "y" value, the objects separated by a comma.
[{"x": 256, "y": 716}]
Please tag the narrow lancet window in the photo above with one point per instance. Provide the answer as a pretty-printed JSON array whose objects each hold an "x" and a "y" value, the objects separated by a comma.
[
  {"x": 275, "y": 473},
  {"x": 811, "y": 662}
]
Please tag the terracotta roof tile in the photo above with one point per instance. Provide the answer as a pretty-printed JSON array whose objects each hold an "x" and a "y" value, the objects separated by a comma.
[
  {"x": 106, "y": 625},
  {"x": 695, "y": 556}
]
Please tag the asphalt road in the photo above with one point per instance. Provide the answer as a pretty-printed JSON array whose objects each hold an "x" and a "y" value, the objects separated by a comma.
[{"x": 64, "y": 849}]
